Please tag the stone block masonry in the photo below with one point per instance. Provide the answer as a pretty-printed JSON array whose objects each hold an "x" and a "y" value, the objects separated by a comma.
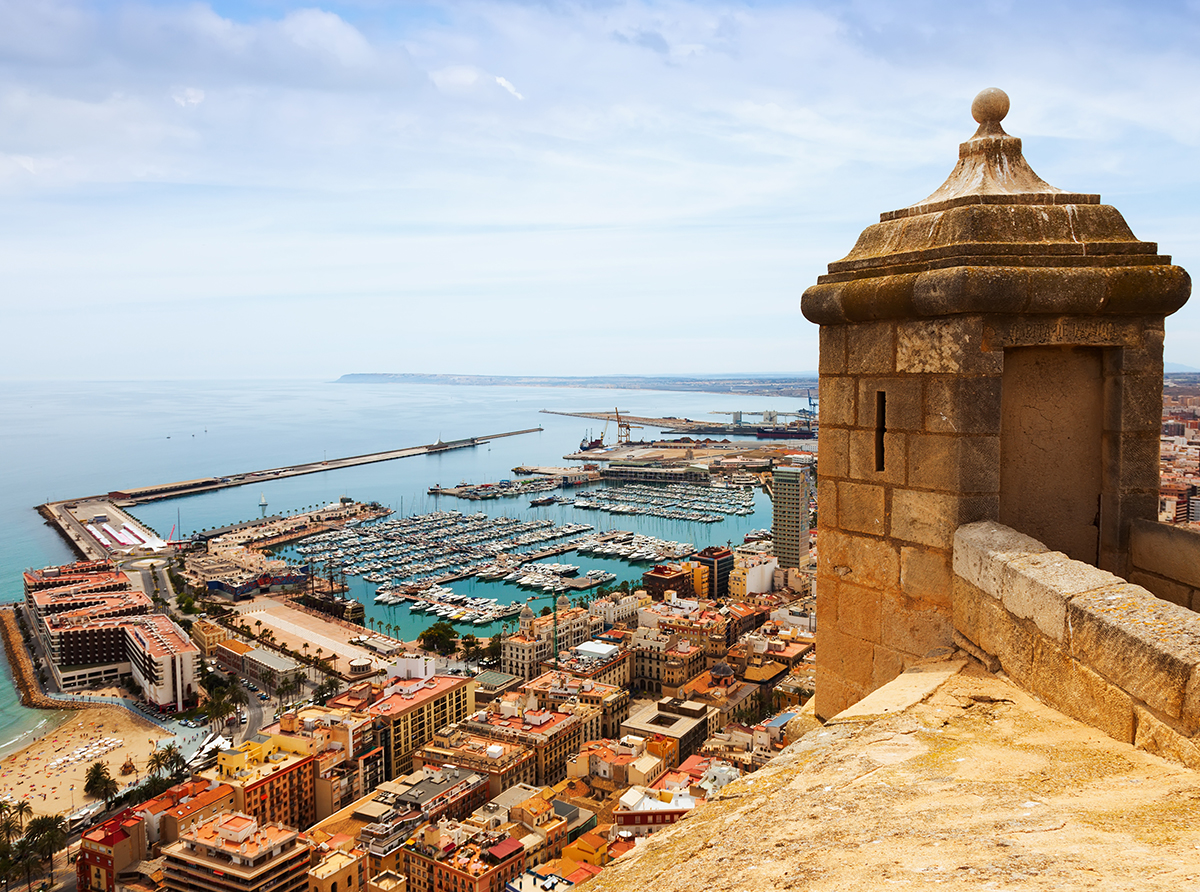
[{"x": 1090, "y": 644}]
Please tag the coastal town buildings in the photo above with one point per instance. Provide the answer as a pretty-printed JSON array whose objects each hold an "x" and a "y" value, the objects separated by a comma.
[
  {"x": 557, "y": 690},
  {"x": 95, "y": 628},
  {"x": 536, "y": 637},
  {"x": 452, "y": 856},
  {"x": 551, "y": 735},
  {"x": 107, "y": 849},
  {"x": 596, "y": 661},
  {"x": 504, "y": 763},
  {"x": 662, "y": 661},
  {"x": 686, "y": 722},
  {"x": 233, "y": 852},
  {"x": 719, "y": 561},
  {"x": 273, "y": 780},
  {"x": 408, "y": 708}
]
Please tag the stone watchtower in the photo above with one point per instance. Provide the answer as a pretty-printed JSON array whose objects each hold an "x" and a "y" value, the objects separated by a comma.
[{"x": 992, "y": 352}]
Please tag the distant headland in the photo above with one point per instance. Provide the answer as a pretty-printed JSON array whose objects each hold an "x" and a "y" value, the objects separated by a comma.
[{"x": 797, "y": 384}]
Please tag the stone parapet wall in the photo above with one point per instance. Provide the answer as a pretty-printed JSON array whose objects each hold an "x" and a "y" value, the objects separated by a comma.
[
  {"x": 1102, "y": 650},
  {"x": 1166, "y": 560}
]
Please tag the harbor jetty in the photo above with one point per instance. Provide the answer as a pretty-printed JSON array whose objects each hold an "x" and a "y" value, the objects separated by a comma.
[{"x": 92, "y": 524}]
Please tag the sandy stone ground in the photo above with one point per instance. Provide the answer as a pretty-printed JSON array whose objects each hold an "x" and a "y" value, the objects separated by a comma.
[{"x": 44, "y": 772}]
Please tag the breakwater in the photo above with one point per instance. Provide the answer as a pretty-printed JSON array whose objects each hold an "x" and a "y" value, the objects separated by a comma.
[{"x": 24, "y": 675}]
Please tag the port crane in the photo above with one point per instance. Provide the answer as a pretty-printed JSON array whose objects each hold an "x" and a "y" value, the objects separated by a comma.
[{"x": 623, "y": 428}]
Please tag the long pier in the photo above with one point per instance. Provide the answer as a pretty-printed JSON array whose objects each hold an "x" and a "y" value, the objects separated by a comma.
[
  {"x": 206, "y": 484},
  {"x": 70, "y": 516}
]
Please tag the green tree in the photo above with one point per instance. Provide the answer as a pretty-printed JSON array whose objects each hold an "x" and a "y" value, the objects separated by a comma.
[
  {"x": 23, "y": 810},
  {"x": 327, "y": 688},
  {"x": 99, "y": 784},
  {"x": 269, "y": 678},
  {"x": 441, "y": 637},
  {"x": 547, "y": 610},
  {"x": 495, "y": 648},
  {"x": 218, "y": 708},
  {"x": 49, "y": 834},
  {"x": 469, "y": 646},
  {"x": 26, "y": 858}
]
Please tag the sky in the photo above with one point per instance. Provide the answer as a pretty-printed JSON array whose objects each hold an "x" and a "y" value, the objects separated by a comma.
[{"x": 276, "y": 189}]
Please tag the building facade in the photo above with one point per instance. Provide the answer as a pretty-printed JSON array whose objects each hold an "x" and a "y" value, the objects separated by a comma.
[{"x": 790, "y": 497}]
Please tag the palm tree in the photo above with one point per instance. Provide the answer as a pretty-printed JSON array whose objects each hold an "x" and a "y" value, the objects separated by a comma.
[
  {"x": 24, "y": 854},
  {"x": 269, "y": 678},
  {"x": 258, "y": 626},
  {"x": 49, "y": 834},
  {"x": 99, "y": 784},
  {"x": 167, "y": 760},
  {"x": 218, "y": 709},
  {"x": 9, "y": 866},
  {"x": 23, "y": 810},
  {"x": 10, "y": 827},
  {"x": 238, "y": 696}
]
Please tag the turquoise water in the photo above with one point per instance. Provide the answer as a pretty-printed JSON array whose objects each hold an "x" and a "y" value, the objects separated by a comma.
[{"x": 66, "y": 439}]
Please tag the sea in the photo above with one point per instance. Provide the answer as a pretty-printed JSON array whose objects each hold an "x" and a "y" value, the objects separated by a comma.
[{"x": 68, "y": 439}]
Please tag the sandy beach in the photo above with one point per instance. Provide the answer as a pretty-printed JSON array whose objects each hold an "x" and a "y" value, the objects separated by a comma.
[{"x": 44, "y": 772}]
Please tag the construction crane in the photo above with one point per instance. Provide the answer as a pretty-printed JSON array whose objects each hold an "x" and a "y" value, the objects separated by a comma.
[{"x": 623, "y": 428}]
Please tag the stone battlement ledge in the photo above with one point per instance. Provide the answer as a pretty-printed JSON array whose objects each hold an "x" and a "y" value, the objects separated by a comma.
[{"x": 947, "y": 774}]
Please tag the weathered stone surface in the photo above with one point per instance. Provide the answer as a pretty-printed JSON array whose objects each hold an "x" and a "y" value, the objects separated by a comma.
[
  {"x": 874, "y": 563},
  {"x": 862, "y": 457},
  {"x": 871, "y": 349},
  {"x": 942, "y": 346},
  {"x": 1037, "y": 587},
  {"x": 954, "y": 464},
  {"x": 837, "y": 401},
  {"x": 927, "y": 518},
  {"x": 1011, "y": 640},
  {"x": 959, "y": 405},
  {"x": 975, "y": 786},
  {"x": 1165, "y": 550},
  {"x": 849, "y": 658},
  {"x": 858, "y": 610},
  {"x": 1167, "y": 589},
  {"x": 982, "y": 549},
  {"x": 904, "y": 405},
  {"x": 925, "y": 575},
  {"x": 1155, "y": 736},
  {"x": 907, "y": 690},
  {"x": 965, "y": 610},
  {"x": 912, "y": 627},
  {"x": 887, "y": 664},
  {"x": 833, "y": 454},
  {"x": 862, "y": 508},
  {"x": 1079, "y": 692},
  {"x": 832, "y": 357},
  {"x": 1146, "y": 646}
]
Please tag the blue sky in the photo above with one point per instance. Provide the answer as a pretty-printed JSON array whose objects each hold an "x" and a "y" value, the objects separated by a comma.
[{"x": 278, "y": 189}]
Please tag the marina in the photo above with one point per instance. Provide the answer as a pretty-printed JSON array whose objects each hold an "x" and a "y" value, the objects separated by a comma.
[{"x": 411, "y": 560}]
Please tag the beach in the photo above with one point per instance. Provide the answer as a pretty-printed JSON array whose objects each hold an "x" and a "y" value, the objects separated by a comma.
[{"x": 44, "y": 772}]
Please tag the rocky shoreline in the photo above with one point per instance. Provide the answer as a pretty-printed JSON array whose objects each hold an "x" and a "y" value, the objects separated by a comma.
[{"x": 24, "y": 675}]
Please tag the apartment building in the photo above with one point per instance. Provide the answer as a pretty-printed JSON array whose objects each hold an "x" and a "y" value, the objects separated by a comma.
[
  {"x": 271, "y": 780},
  {"x": 523, "y": 653},
  {"x": 505, "y": 763},
  {"x": 233, "y": 852}
]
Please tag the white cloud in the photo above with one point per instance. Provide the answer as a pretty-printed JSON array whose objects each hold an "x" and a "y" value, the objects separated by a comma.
[
  {"x": 188, "y": 96},
  {"x": 668, "y": 156},
  {"x": 508, "y": 86}
]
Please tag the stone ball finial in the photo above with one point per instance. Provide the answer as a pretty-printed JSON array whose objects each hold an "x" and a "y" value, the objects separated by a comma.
[{"x": 990, "y": 106}]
